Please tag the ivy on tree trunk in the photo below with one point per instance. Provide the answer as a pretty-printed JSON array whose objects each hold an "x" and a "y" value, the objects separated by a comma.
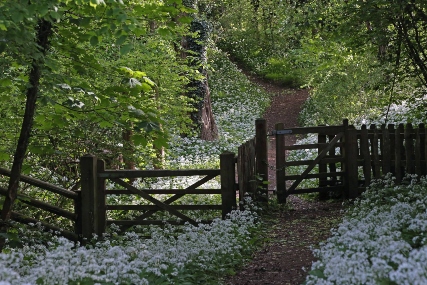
[{"x": 202, "y": 117}]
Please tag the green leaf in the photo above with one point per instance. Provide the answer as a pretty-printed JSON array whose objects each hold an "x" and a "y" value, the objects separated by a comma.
[
  {"x": 84, "y": 22},
  {"x": 126, "y": 48},
  {"x": 148, "y": 126},
  {"x": 4, "y": 156},
  {"x": 160, "y": 142},
  {"x": 5, "y": 82},
  {"x": 120, "y": 40},
  {"x": 317, "y": 273},
  {"x": 164, "y": 32},
  {"x": 94, "y": 40},
  {"x": 185, "y": 20},
  {"x": 105, "y": 124},
  {"x": 139, "y": 140}
]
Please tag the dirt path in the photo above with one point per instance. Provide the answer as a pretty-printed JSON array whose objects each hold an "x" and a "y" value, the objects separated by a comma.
[{"x": 291, "y": 232}]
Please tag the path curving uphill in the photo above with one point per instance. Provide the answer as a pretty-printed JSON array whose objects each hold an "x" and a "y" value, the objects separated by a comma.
[{"x": 287, "y": 256}]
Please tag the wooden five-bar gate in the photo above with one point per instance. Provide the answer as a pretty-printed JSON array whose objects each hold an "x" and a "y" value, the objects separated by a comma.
[{"x": 349, "y": 158}]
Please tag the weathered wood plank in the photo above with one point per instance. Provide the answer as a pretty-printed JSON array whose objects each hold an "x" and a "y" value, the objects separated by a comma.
[
  {"x": 309, "y": 146},
  {"x": 162, "y": 205},
  {"x": 261, "y": 159},
  {"x": 385, "y": 150},
  {"x": 316, "y": 161},
  {"x": 46, "y": 227},
  {"x": 392, "y": 132},
  {"x": 409, "y": 149},
  {"x": 317, "y": 175},
  {"x": 130, "y": 223},
  {"x": 423, "y": 147},
  {"x": 326, "y": 159},
  {"x": 328, "y": 130},
  {"x": 350, "y": 167},
  {"x": 42, "y": 184},
  {"x": 110, "y": 174},
  {"x": 165, "y": 191},
  {"x": 314, "y": 190},
  {"x": 323, "y": 168},
  {"x": 280, "y": 165},
  {"x": 43, "y": 205},
  {"x": 154, "y": 207},
  {"x": 100, "y": 201},
  {"x": 332, "y": 165},
  {"x": 364, "y": 149},
  {"x": 398, "y": 149},
  {"x": 417, "y": 152},
  {"x": 228, "y": 192},
  {"x": 375, "y": 155},
  {"x": 173, "y": 199},
  {"x": 88, "y": 181}
]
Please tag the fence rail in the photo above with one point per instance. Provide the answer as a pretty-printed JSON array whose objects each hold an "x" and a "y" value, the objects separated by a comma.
[{"x": 349, "y": 158}]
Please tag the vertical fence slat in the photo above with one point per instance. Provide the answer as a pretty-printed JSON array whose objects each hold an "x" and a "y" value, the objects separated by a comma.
[
  {"x": 392, "y": 134},
  {"x": 351, "y": 173},
  {"x": 228, "y": 191},
  {"x": 332, "y": 166},
  {"x": 398, "y": 148},
  {"x": 375, "y": 155},
  {"x": 423, "y": 151},
  {"x": 240, "y": 172},
  {"x": 385, "y": 150},
  {"x": 261, "y": 157},
  {"x": 280, "y": 165},
  {"x": 88, "y": 168},
  {"x": 323, "y": 168},
  {"x": 101, "y": 207},
  {"x": 409, "y": 149},
  {"x": 417, "y": 153},
  {"x": 364, "y": 149},
  {"x": 78, "y": 211}
]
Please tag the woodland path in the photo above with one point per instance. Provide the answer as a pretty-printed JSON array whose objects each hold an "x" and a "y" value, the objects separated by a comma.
[{"x": 290, "y": 232}]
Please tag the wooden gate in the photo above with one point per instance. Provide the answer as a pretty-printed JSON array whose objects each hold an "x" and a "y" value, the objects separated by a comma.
[{"x": 328, "y": 171}]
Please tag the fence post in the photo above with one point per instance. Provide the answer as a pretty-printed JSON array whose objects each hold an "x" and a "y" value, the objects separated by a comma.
[
  {"x": 280, "y": 165},
  {"x": 323, "y": 168},
  {"x": 89, "y": 181},
  {"x": 78, "y": 223},
  {"x": 228, "y": 183},
  {"x": 261, "y": 158},
  {"x": 100, "y": 206},
  {"x": 350, "y": 167}
]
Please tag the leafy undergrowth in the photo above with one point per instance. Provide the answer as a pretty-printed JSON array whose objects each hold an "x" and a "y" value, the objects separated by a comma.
[{"x": 173, "y": 255}]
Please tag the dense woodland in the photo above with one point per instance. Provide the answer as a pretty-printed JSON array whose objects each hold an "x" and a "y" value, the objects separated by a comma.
[{"x": 149, "y": 84}]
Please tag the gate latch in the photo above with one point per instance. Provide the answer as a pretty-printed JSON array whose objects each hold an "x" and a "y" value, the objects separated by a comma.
[{"x": 282, "y": 132}]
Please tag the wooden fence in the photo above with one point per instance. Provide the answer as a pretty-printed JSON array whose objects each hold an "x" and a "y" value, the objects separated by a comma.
[
  {"x": 349, "y": 158},
  {"x": 89, "y": 207},
  {"x": 74, "y": 216},
  {"x": 252, "y": 164}
]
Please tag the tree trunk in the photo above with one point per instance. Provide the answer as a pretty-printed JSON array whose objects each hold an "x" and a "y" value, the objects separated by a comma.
[
  {"x": 202, "y": 117},
  {"x": 44, "y": 30}
]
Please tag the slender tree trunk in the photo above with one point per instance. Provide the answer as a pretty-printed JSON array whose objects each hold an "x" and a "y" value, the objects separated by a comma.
[{"x": 44, "y": 30}]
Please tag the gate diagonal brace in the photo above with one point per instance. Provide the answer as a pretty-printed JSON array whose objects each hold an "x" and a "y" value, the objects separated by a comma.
[
  {"x": 158, "y": 203},
  {"x": 316, "y": 161}
]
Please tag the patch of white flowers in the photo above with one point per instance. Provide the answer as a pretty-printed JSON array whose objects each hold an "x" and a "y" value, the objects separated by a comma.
[
  {"x": 132, "y": 260},
  {"x": 382, "y": 239},
  {"x": 236, "y": 103}
]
